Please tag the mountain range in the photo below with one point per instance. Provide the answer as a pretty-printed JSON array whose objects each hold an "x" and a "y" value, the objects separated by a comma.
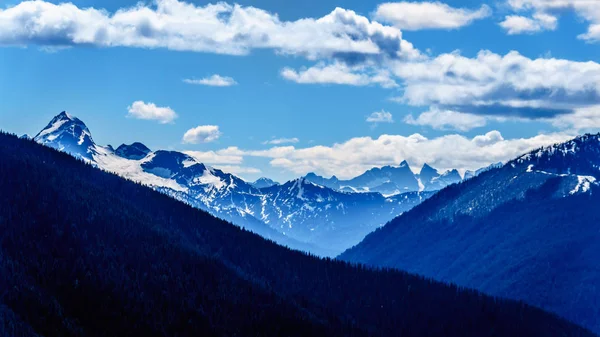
[
  {"x": 391, "y": 180},
  {"x": 527, "y": 230},
  {"x": 305, "y": 213},
  {"x": 87, "y": 253}
]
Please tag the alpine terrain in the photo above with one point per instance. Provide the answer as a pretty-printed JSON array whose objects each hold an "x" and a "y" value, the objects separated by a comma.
[{"x": 301, "y": 214}]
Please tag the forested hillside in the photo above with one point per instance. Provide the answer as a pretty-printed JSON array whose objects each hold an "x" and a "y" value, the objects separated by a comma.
[
  {"x": 86, "y": 253},
  {"x": 529, "y": 231}
]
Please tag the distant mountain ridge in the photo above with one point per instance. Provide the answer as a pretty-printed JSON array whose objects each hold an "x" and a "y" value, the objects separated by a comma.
[
  {"x": 264, "y": 182},
  {"x": 391, "y": 180},
  {"x": 134, "y": 151},
  {"x": 527, "y": 230},
  {"x": 299, "y": 213}
]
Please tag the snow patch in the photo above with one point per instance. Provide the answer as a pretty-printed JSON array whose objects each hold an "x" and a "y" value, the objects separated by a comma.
[
  {"x": 583, "y": 184},
  {"x": 52, "y": 129},
  {"x": 189, "y": 162},
  {"x": 131, "y": 169},
  {"x": 208, "y": 178}
]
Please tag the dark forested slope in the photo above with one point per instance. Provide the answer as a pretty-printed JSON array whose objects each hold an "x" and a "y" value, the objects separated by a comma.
[
  {"x": 86, "y": 253},
  {"x": 529, "y": 230}
]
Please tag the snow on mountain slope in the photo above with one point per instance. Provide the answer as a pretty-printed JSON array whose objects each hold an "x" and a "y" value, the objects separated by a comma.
[
  {"x": 69, "y": 134},
  {"x": 133, "y": 170},
  {"x": 305, "y": 215},
  {"x": 320, "y": 215}
]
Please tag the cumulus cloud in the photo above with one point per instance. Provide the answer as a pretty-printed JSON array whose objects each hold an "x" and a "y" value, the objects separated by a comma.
[
  {"x": 517, "y": 24},
  {"x": 582, "y": 120},
  {"x": 447, "y": 120},
  {"x": 201, "y": 134},
  {"x": 150, "y": 111},
  {"x": 279, "y": 141},
  {"x": 428, "y": 15},
  {"x": 216, "y": 28},
  {"x": 340, "y": 73},
  {"x": 231, "y": 156},
  {"x": 545, "y": 11},
  {"x": 357, "y": 155},
  {"x": 214, "y": 81},
  {"x": 509, "y": 86},
  {"x": 380, "y": 117},
  {"x": 488, "y": 139},
  {"x": 493, "y": 85}
]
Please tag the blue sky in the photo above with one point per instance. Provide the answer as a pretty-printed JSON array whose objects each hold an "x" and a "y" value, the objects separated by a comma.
[{"x": 545, "y": 91}]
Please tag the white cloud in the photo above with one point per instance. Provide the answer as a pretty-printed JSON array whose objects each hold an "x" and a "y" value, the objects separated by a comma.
[
  {"x": 357, "y": 155},
  {"x": 229, "y": 156},
  {"x": 380, "y": 117},
  {"x": 279, "y": 141},
  {"x": 545, "y": 11},
  {"x": 517, "y": 24},
  {"x": 493, "y": 85},
  {"x": 348, "y": 48},
  {"x": 582, "y": 120},
  {"x": 503, "y": 87},
  {"x": 150, "y": 111},
  {"x": 447, "y": 120},
  {"x": 428, "y": 15},
  {"x": 201, "y": 134},
  {"x": 214, "y": 81},
  {"x": 339, "y": 73},
  {"x": 490, "y": 138},
  {"x": 274, "y": 152},
  {"x": 216, "y": 28}
]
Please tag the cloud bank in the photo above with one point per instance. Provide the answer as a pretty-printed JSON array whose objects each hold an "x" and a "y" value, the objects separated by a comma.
[
  {"x": 356, "y": 155},
  {"x": 215, "y": 28}
]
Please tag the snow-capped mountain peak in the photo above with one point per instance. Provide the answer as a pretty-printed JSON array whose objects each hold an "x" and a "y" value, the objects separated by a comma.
[{"x": 69, "y": 134}]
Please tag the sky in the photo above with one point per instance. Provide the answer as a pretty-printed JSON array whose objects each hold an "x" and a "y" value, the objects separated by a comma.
[{"x": 280, "y": 88}]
